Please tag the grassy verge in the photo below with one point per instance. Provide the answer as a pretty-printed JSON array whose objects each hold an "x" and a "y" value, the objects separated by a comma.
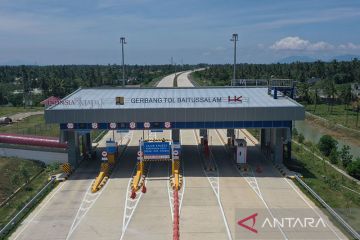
[
  {"x": 14, "y": 172},
  {"x": 329, "y": 184},
  {"x": 195, "y": 78},
  {"x": 7, "y": 111},
  {"x": 152, "y": 83},
  {"x": 11, "y": 166},
  {"x": 255, "y": 132},
  {"x": 339, "y": 114},
  {"x": 335, "y": 130},
  {"x": 97, "y": 135},
  {"x": 34, "y": 125}
]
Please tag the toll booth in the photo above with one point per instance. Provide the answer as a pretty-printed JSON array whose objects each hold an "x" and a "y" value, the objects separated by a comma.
[
  {"x": 111, "y": 149},
  {"x": 240, "y": 151}
]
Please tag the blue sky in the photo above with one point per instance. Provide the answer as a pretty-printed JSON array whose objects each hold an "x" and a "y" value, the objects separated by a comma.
[{"x": 87, "y": 32}]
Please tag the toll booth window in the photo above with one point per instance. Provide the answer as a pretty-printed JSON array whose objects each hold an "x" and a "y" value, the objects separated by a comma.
[{"x": 119, "y": 100}]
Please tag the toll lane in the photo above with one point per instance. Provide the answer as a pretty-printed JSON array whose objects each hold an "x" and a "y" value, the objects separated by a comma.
[
  {"x": 104, "y": 219},
  {"x": 281, "y": 196},
  {"x": 152, "y": 216},
  {"x": 200, "y": 216}
]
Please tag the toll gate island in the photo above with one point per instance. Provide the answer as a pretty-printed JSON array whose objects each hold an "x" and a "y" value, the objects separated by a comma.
[{"x": 270, "y": 109}]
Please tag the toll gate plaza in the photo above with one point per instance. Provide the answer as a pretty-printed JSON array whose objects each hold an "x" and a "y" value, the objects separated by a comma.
[
  {"x": 177, "y": 108},
  {"x": 176, "y": 163}
]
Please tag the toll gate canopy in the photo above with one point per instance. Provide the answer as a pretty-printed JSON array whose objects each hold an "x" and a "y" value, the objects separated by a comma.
[{"x": 174, "y": 108}]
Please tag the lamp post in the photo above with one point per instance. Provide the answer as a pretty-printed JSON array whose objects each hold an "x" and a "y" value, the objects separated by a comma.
[
  {"x": 122, "y": 41},
  {"x": 234, "y": 39}
]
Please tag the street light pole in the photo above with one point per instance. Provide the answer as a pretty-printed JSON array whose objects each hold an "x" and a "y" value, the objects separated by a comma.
[
  {"x": 234, "y": 39},
  {"x": 122, "y": 41}
]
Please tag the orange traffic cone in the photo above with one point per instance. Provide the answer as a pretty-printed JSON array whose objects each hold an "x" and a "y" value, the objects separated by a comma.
[
  {"x": 143, "y": 190},
  {"x": 133, "y": 194}
]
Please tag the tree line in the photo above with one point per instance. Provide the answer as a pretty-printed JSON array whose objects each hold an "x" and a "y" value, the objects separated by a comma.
[
  {"x": 337, "y": 72},
  {"x": 316, "y": 82},
  {"x": 61, "y": 80}
]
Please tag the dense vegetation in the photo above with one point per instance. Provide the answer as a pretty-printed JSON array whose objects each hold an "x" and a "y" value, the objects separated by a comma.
[
  {"x": 338, "y": 72},
  {"x": 316, "y": 83},
  {"x": 327, "y": 148},
  {"x": 62, "y": 80}
]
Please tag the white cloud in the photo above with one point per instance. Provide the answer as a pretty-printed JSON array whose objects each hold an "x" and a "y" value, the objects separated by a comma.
[
  {"x": 320, "y": 46},
  {"x": 290, "y": 43},
  {"x": 349, "y": 46},
  {"x": 297, "y": 43}
]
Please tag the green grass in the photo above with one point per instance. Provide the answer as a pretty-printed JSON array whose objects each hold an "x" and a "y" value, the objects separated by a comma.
[
  {"x": 255, "y": 132},
  {"x": 338, "y": 115},
  {"x": 200, "y": 81},
  {"x": 97, "y": 135},
  {"x": 34, "y": 125},
  {"x": 152, "y": 83},
  {"x": 11, "y": 166},
  {"x": 328, "y": 184},
  {"x": 7, "y": 111}
]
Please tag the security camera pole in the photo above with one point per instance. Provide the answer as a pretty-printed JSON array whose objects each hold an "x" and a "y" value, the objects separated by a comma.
[
  {"x": 234, "y": 39},
  {"x": 122, "y": 41}
]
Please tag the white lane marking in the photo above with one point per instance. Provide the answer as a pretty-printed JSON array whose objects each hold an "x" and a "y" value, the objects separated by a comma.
[
  {"x": 41, "y": 208},
  {"x": 83, "y": 209},
  {"x": 307, "y": 203},
  {"x": 130, "y": 204},
  {"x": 215, "y": 186},
  {"x": 252, "y": 181},
  {"x": 88, "y": 198},
  {"x": 300, "y": 195}
]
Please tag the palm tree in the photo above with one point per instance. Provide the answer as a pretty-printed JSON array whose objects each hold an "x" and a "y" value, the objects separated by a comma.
[
  {"x": 330, "y": 91},
  {"x": 356, "y": 107},
  {"x": 315, "y": 97},
  {"x": 346, "y": 97}
]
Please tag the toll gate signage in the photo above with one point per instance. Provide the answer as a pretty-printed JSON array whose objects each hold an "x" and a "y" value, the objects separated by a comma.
[{"x": 156, "y": 150}]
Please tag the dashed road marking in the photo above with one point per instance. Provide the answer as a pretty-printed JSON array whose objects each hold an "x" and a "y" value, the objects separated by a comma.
[
  {"x": 213, "y": 178},
  {"x": 251, "y": 180},
  {"x": 90, "y": 198}
]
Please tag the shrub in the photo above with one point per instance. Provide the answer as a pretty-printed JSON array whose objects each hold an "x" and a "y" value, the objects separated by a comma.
[
  {"x": 327, "y": 144},
  {"x": 345, "y": 155},
  {"x": 295, "y": 132},
  {"x": 334, "y": 156},
  {"x": 354, "y": 168},
  {"x": 301, "y": 138}
]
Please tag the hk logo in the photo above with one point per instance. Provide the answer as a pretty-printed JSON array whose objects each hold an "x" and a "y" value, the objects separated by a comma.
[
  {"x": 235, "y": 99},
  {"x": 246, "y": 226}
]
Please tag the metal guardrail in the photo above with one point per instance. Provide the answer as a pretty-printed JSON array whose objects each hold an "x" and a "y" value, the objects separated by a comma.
[
  {"x": 17, "y": 218},
  {"x": 340, "y": 220}
]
